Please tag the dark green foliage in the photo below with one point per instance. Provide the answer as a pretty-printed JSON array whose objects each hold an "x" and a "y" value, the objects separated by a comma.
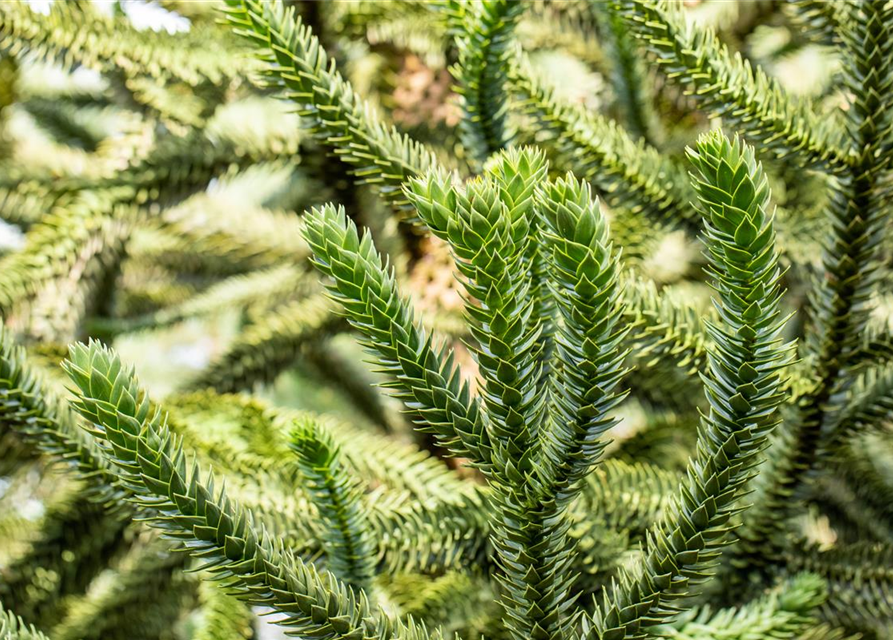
[
  {"x": 483, "y": 46},
  {"x": 840, "y": 300},
  {"x": 346, "y": 536},
  {"x": 783, "y": 613},
  {"x": 252, "y": 563},
  {"x": 300, "y": 67},
  {"x": 628, "y": 79},
  {"x": 729, "y": 86},
  {"x": 421, "y": 372},
  {"x": 631, "y": 174},
  {"x": 742, "y": 384},
  {"x": 639, "y": 400}
]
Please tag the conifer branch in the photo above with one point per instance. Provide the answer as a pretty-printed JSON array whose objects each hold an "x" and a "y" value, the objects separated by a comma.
[
  {"x": 346, "y": 536},
  {"x": 850, "y": 262},
  {"x": 488, "y": 227},
  {"x": 252, "y": 564},
  {"x": 483, "y": 47},
  {"x": 743, "y": 387},
  {"x": 628, "y": 175},
  {"x": 728, "y": 86},
  {"x": 236, "y": 292},
  {"x": 626, "y": 497},
  {"x": 870, "y": 406},
  {"x": 297, "y": 64},
  {"x": 399, "y": 467},
  {"x": 73, "y": 34},
  {"x": 663, "y": 327},
  {"x": 787, "y": 612},
  {"x": 28, "y": 406},
  {"x": 424, "y": 376},
  {"x": 584, "y": 271},
  {"x": 152, "y": 186},
  {"x": 631, "y": 102},
  {"x": 255, "y": 238},
  {"x": 859, "y": 582},
  {"x": 821, "y": 20},
  {"x": 332, "y": 366},
  {"x": 92, "y": 229},
  {"x": 264, "y": 349}
]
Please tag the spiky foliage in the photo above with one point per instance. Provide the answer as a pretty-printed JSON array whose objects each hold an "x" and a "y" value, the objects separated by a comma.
[
  {"x": 347, "y": 539},
  {"x": 787, "y": 612},
  {"x": 12, "y": 628},
  {"x": 33, "y": 412},
  {"x": 729, "y": 86},
  {"x": 550, "y": 476},
  {"x": 265, "y": 348},
  {"x": 840, "y": 301},
  {"x": 742, "y": 385},
  {"x": 300, "y": 67},
  {"x": 489, "y": 228},
  {"x": 631, "y": 175},
  {"x": 75, "y": 34},
  {"x": 253, "y": 564},
  {"x": 483, "y": 46},
  {"x": 421, "y": 372},
  {"x": 628, "y": 80}
]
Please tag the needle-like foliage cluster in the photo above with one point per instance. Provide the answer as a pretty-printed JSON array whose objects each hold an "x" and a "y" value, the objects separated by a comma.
[{"x": 392, "y": 320}]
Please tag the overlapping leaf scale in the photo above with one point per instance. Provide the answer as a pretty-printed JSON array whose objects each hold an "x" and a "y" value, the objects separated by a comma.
[
  {"x": 743, "y": 386},
  {"x": 821, "y": 20},
  {"x": 337, "y": 496},
  {"x": 483, "y": 48},
  {"x": 584, "y": 272},
  {"x": 728, "y": 86},
  {"x": 857, "y": 204},
  {"x": 424, "y": 376},
  {"x": 210, "y": 526},
  {"x": 487, "y": 226},
  {"x": 841, "y": 299},
  {"x": 297, "y": 64}
]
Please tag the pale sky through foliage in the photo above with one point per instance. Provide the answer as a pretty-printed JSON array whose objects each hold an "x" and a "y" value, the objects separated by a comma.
[{"x": 144, "y": 15}]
